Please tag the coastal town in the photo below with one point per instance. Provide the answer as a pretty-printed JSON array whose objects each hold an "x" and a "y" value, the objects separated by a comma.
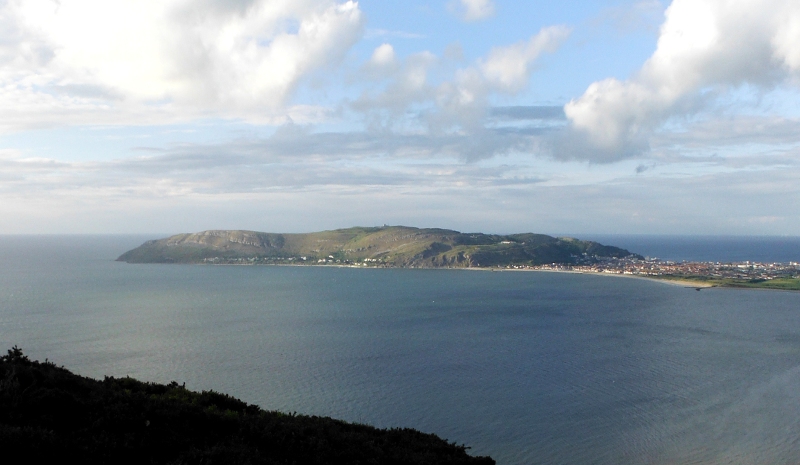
[
  {"x": 654, "y": 267},
  {"x": 648, "y": 267}
]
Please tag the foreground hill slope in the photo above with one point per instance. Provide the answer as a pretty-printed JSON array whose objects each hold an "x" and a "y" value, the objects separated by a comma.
[
  {"x": 397, "y": 246},
  {"x": 49, "y": 415}
]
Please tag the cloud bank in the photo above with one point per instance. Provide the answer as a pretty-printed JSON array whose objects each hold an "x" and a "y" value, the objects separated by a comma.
[
  {"x": 261, "y": 185},
  {"x": 704, "y": 47}
]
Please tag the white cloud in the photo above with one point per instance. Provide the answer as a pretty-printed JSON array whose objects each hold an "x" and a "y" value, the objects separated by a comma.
[
  {"x": 472, "y": 10},
  {"x": 383, "y": 56},
  {"x": 703, "y": 45},
  {"x": 382, "y": 63},
  {"x": 95, "y": 61},
  {"x": 408, "y": 81},
  {"x": 458, "y": 103},
  {"x": 508, "y": 68}
]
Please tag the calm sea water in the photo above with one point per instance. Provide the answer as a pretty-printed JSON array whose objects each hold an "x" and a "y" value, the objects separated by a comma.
[{"x": 530, "y": 368}]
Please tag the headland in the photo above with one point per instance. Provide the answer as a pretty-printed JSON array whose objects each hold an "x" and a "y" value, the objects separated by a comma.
[{"x": 408, "y": 247}]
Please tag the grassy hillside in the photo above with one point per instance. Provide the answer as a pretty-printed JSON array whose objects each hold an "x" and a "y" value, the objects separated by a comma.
[
  {"x": 398, "y": 246},
  {"x": 49, "y": 415},
  {"x": 781, "y": 284}
]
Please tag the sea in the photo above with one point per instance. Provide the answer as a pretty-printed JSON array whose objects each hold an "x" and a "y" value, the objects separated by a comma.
[{"x": 527, "y": 367}]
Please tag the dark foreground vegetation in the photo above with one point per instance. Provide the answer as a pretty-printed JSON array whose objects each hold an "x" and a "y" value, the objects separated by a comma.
[{"x": 50, "y": 415}]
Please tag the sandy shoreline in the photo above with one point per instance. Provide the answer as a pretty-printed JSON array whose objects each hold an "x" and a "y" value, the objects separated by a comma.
[{"x": 672, "y": 282}]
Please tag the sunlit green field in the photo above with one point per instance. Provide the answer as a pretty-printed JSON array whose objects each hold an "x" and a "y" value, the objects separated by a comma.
[{"x": 786, "y": 284}]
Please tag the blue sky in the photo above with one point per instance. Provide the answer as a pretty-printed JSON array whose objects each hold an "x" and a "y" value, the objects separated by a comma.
[{"x": 596, "y": 117}]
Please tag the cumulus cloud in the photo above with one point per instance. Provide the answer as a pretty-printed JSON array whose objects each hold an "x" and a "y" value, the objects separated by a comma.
[
  {"x": 459, "y": 104},
  {"x": 472, "y": 10},
  {"x": 383, "y": 56},
  {"x": 382, "y": 63},
  {"x": 508, "y": 68},
  {"x": 92, "y": 61},
  {"x": 407, "y": 81},
  {"x": 704, "y": 45}
]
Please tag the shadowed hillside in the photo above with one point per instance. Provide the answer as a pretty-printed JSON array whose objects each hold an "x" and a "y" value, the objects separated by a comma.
[
  {"x": 395, "y": 246},
  {"x": 49, "y": 415}
]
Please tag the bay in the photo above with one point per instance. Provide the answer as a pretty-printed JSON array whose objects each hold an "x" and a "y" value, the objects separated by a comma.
[{"x": 528, "y": 367}]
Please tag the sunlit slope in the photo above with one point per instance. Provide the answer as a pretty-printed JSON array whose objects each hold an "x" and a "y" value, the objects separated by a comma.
[{"x": 398, "y": 246}]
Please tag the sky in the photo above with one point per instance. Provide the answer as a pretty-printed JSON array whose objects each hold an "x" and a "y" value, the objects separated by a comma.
[{"x": 500, "y": 116}]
